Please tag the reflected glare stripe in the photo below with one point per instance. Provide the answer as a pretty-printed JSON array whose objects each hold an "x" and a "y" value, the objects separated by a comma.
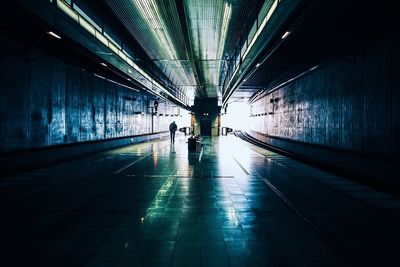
[
  {"x": 201, "y": 153},
  {"x": 132, "y": 163},
  {"x": 136, "y": 161},
  {"x": 241, "y": 166}
]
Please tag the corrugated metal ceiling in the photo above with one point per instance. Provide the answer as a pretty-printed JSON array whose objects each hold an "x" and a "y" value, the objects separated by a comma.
[{"x": 213, "y": 29}]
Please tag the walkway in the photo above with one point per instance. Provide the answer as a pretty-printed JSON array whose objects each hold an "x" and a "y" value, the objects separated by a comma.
[{"x": 234, "y": 204}]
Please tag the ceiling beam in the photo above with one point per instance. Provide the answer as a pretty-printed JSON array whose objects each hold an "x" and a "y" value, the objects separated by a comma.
[{"x": 201, "y": 91}]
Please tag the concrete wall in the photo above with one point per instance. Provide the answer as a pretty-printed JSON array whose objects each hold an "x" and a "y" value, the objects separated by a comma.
[
  {"x": 45, "y": 102},
  {"x": 350, "y": 105}
]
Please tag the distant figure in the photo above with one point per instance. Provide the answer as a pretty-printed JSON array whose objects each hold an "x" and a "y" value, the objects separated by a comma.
[{"x": 172, "y": 130}]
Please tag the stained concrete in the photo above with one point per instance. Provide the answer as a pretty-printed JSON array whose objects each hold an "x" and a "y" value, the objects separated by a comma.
[
  {"x": 348, "y": 105},
  {"x": 46, "y": 102}
]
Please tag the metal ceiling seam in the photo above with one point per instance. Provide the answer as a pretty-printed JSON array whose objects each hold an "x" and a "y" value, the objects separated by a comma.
[
  {"x": 134, "y": 29},
  {"x": 228, "y": 89},
  {"x": 66, "y": 8}
]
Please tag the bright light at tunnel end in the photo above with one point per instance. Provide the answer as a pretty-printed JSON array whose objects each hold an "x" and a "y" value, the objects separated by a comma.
[{"x": 237, "y": 116}]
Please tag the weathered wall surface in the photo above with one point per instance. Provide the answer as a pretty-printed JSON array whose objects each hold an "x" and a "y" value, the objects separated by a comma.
[
  {"x": 350, "y": 105},
  {"x": 45, "y": 102}
]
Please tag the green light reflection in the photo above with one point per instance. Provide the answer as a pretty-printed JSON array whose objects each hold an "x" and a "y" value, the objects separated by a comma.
[
  {"x": 160, "y": 32},
  {"x": 208, "y": 23}
]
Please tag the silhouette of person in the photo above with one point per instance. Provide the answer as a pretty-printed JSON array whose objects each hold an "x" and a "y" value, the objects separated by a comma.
[{"x": 172, "y": 129}]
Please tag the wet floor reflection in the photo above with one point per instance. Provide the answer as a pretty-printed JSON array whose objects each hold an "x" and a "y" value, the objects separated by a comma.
[{"x": 156, "y": 204}]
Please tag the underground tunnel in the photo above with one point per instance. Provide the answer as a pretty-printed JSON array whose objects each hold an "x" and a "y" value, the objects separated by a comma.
[{"x": 285, "y": 149}]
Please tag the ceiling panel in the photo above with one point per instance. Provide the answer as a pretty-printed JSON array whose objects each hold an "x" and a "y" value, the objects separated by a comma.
[
  {"x": 156, "y": 26},
  {"x": 212, "y": 26}
]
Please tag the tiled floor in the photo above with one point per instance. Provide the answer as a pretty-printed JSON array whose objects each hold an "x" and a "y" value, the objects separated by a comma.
[{"x": 155, "y": 204}]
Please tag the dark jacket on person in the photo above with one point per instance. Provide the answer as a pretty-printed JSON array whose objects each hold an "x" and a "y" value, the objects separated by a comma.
[{"x": 173, "y": 127}]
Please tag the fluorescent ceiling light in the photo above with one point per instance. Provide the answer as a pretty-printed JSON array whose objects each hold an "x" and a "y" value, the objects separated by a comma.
[
  {"x": 99, "y": 76},
  {"x": 151, "y": 14},
  {"x": 67, "y": 9},
  {"x": 54, "y": 35},
  {"x": 255, "y": 37},
  {"x": 261, "y": 27},
  {"x": 208, "y": 23},
  {"x": 156, "y": 88},
  {"x": 112, "y": 81},
  {"x": 161, "y": 33},
  {"x": 224, "y": 29},
  {"x": 286, "y": 34}
]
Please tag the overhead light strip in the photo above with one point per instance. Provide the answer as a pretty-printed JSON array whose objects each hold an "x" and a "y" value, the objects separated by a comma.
[
  {"x": 261, "y": 27},
  {"x": 150, "y": 12},
  {"x": 120, "y": 53},
  {"x": 286, "y": 34},
  {"x": 54, "y": 35},
  {"x": 224, "y": 29},
  {"x": 112, "y": 81},
  {"x": 256, "y": 35}
]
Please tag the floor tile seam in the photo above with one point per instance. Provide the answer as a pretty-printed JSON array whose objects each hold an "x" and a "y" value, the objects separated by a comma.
[
  {"x": 46, "y": 186},
  {"x": 297, "y": 212},
  {"x": 247, "y": 174},
  {"x": 236, "y": 214},
  {"x": 297, "y": 166},
  {"x": 140, "y": 159},
  {"x": 313, "y": 226},
  {"x": 361, "y": 202},
  {"x": 171, "y": 195},
  {"x": 146, "y": 211}
]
